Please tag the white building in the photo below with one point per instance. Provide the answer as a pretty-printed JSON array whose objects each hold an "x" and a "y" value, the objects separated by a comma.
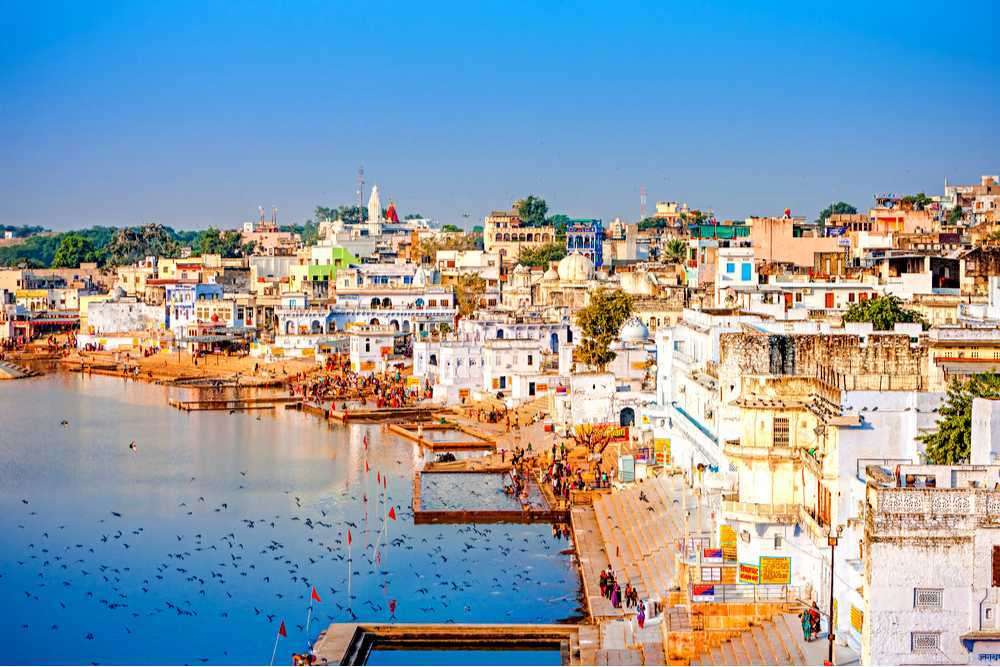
[
  {"x": 454, "y": 367},
  {"x": 932, "y": 566},
  {"x": 376, "y": 349}
]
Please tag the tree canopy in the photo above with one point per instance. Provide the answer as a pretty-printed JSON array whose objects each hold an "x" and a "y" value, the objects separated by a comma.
[
  {"x": 469, "y": 290},
  {"x": 676, "y": 250},
  {"x": 917, "y": 202},
  {"x": 883, "y": 312},
  {"x": 541, "y": 256},
  {"x": 532, "y": 210},
  {"x": 225, "y": 243},
  {"x": 451, "y": 229},
  {"x": 955, "y": 215},
  {"x": 600, "y": 321},
  {"x": 951, "y": 442},
  {"x": 73, "y": 250},
  {"x": 840, "y": 208}
]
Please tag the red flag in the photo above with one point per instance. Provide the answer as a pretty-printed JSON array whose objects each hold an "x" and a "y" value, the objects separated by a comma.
[
  {"x": 365, "y": 440},
  {"x": 282, "y": 631},
  {"x": 348, "y": 537},
  {"x": 385, "y": 482},
  {"x": 367, "y": 469},
  {"x": 392, "y": 513},
  {"x": 315, "y": 595},
  {"x": 378, "y": 558},
  {"x": 378, "y": 477}
]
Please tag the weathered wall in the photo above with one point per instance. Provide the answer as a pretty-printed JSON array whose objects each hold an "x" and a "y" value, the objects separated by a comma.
[{"x": 884, "y": 363}]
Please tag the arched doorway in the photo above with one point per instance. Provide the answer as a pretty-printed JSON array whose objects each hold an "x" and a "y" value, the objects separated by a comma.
[
  {"x": 627, "y": 417},
  {"x": 554, "y": 342},
  {"x": 374, "y": 322},
  {"x": 289, "y": 327},
  {"x": 406, "y": 326},
  {"x": 499, "y": 334},
  {"x": 317, "y": 327},
  {"x": 394, "y": 324},
  {"x": 375, "y": 302},
  {"x": 386, "y": 303}
]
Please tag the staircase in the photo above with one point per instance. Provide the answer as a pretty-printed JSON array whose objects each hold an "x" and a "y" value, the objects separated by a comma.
[
  {"x": 777, "y": 641},
  {"x": 12, "y": 371}
]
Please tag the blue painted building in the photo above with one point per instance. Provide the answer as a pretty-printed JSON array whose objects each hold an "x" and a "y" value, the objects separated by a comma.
[{"x": 587, "y": 238}]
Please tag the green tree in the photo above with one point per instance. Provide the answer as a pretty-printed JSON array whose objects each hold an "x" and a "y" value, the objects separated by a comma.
[
  {"x": 951, "y": 442},
  {"x": 478, "y": 229},
  {"x": 676, "y": 250},
  {"x": 413, "y": 216},
  {"x": 541, "y": 256},
  {"x": 532, "y": 210},
  {"x": 883, "y": 312},
  {"x": 648, "y": 223},
  {"x": 131, "y": 244},
  {"x": 841, "y": 207},
  {"x": 600, "y": 321},
  {"x": 955, "y": 215},
  {"x": 73, "y": 249},
  {"x": 469, "y": 290},
  {"x": 918, "y": 201},
  {"x": 451, "y": 229},
  {"x": 224, "y": 243}
]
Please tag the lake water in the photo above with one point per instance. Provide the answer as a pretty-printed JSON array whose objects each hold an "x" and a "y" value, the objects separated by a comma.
[
  {"x": 193, "y": 548},
  {"x": 472, "y": 491}
]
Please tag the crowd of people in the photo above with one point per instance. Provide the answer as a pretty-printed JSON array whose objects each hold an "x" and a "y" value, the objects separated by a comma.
[
  {"x": 628, "y": 597},
  {"x": 340, "y": 383}
]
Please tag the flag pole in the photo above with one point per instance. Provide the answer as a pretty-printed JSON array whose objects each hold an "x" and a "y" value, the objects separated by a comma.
[
  {"x": 349, "y": 568},
  {"x": 308, "y": 619},
  {"x": 277, "y": 636}
]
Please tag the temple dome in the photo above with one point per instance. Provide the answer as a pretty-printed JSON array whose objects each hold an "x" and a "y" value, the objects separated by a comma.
[
  {"x": 576, "y": 268},
  {"x": 551, "y": 274},
  {"x": 634, "y": 331}
]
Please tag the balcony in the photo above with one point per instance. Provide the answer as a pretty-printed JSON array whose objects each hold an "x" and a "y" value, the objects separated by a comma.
[
  {"x": 734, "y": 449},
  {"x": 761, "y": 512}
]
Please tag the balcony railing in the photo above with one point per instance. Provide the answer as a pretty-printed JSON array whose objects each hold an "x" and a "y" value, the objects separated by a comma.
[
  {"x": 751, "y": 593},
  {"x": 775, "y": 513}
]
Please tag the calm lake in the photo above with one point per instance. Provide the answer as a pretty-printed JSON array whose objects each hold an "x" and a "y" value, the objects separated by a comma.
[{"x": 195, "y": 546}]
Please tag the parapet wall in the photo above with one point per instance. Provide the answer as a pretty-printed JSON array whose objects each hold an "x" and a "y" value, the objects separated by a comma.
[{"x": 884, "y": 362}]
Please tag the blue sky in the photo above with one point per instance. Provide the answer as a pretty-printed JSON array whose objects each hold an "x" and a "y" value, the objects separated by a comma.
[{"x": 195, "y": 113}]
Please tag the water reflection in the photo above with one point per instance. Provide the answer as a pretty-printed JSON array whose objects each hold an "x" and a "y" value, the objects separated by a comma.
[{"x": 192, "y": 548}]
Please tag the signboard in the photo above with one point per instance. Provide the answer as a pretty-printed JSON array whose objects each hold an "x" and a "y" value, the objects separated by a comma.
[
  {"x": 413, "y": 381},
  {"x": 614, "y": 432},
  {"x": 662, "y": 448},
  {"x": 702, "y": 593},
  {"x": 727, "y": 540},
  {"x": 541, "y": 388},
  {"x": 711, "y": 555},
  {"x": 463, "y": 393},
  {"x": 749, "y": 573},
  {"x": 857, "y": 618},
  {"x": 775, "y": 570}
]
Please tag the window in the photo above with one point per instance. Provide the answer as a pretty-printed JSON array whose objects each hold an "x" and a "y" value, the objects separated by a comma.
[
  {"x": 925, "y": 642},
  {"x": 710, "y": 574},
  {"x": 730, "y": 267},
  {"x": 530, "y": 359},
  {"x": 780, "y": 434},
  {"x": 996, "y": 566},
  {"x": 927, "y": 598}
]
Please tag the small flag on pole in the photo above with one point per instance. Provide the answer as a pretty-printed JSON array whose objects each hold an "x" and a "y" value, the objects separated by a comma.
[
  {"x": 378, "y": 477},
  {"x": 282, "y": 631},
  {"x": 348, "y": 537},
  {"x": 392, "y": 513},
  {"x": 315, "y": 595},
  {"x": 367, "y": 469}
]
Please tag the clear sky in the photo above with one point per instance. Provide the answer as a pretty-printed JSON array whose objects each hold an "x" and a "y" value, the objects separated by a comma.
[{"x": 192, "y": 114}]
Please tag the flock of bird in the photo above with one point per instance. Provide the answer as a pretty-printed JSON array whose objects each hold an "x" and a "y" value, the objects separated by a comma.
[{"x": 222, "y": 563}]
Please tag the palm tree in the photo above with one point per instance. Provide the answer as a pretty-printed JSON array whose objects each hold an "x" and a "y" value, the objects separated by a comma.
[{"x": 675, "y": 251}]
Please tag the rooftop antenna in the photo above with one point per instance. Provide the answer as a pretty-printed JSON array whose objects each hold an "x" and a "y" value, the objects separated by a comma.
[
  {"x": 642, "y": 202},
  {"x": 274, "y": 216},
  {"x": 260, "y": 211}
]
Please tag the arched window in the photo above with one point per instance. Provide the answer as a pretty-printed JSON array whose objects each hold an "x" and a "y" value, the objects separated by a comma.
[
  {"x": 386, "y": 302},
  {"x": 500, "y": 333},
  {"x": 375, "y": 302}
]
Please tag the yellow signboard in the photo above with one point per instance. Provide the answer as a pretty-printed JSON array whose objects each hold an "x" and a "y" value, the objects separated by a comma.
[
  {"x": 775, "y": 570},
  {"x": 749, "y": 573},
  {"x": 857, "y": 618},
  {"x": 727, "y": 540},
  {"x": 661, "y": 447}
]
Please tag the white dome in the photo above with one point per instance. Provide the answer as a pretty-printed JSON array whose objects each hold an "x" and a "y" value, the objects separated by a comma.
[
  {"x": 576, "y": 268},
  {"x": 520, "y": 268},
  {"x": 551, "y": 274},
  {"x": 634, "y": 331}
]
